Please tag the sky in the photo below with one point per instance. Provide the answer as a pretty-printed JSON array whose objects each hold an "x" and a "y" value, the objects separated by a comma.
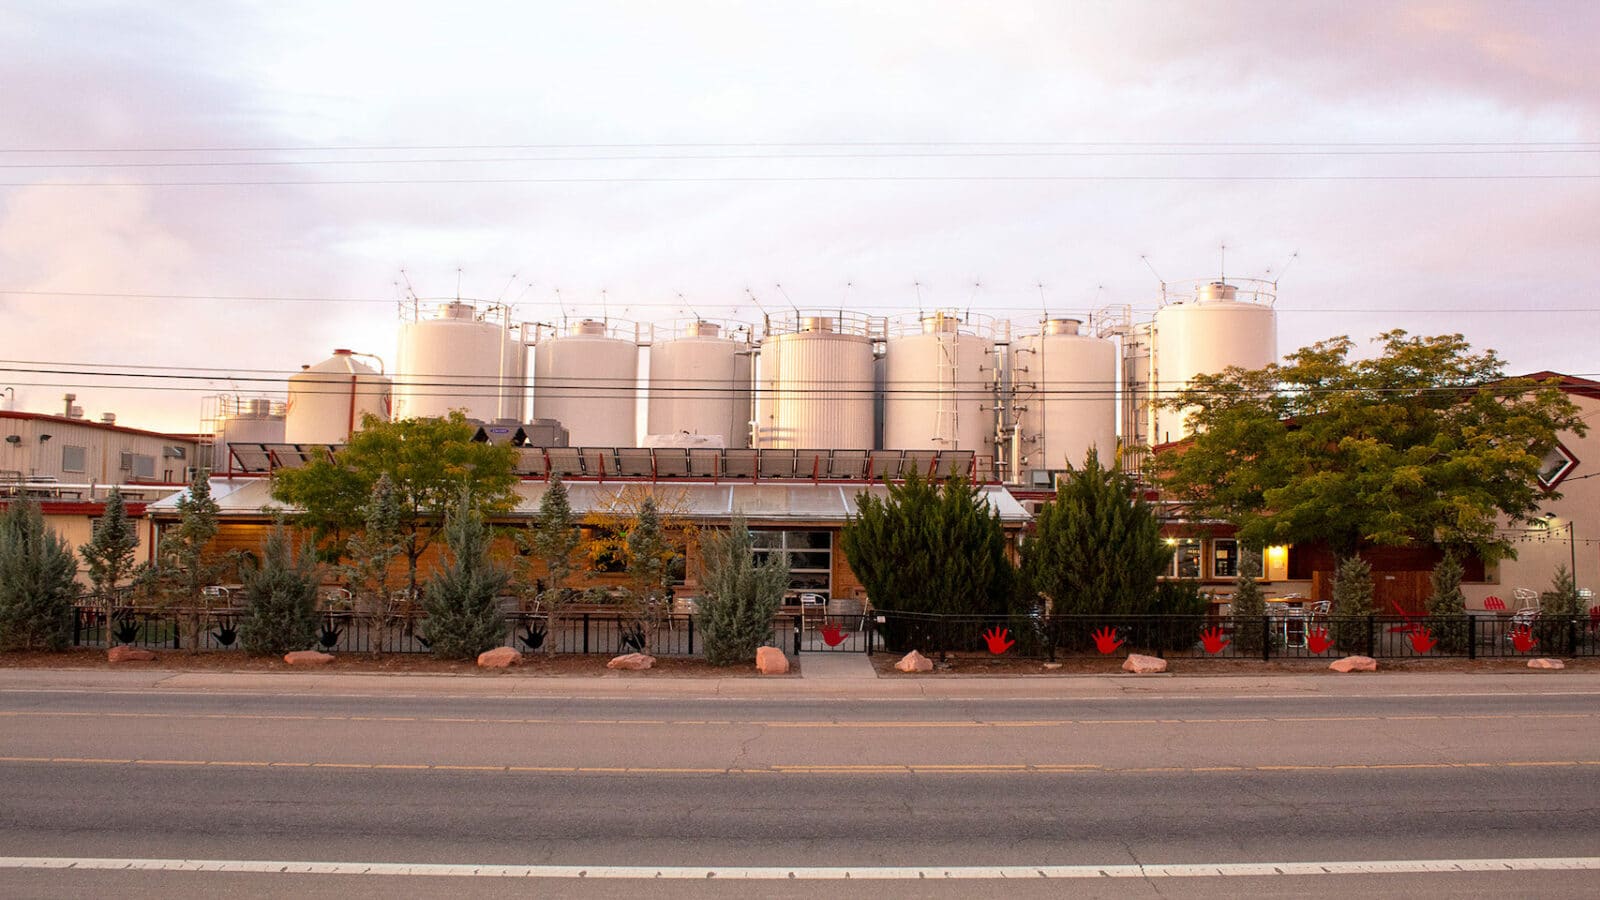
[{"x": 213, "y": 189}]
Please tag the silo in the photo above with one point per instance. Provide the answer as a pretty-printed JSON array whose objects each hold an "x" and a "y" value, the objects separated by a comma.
[
  {"x": 1064, "y": 400},
  {"x": 245, "y": 420},
  {"x": 700, "y": 385},
  {"x": 938, "y": 386},
  {"x": 816, "y": 383},
  {"x": 460, "y": 360},
  {"x": 1216, "y": 328},
  {"x": 588, "y": 379},
  {"x": 327, "y": 400}
]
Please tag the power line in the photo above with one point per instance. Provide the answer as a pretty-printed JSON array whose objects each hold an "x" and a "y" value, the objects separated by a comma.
[
  {"x": 702, "y": 157},
  {"x": 308, "y": 148},
  {"x": 811, "y": 179}
]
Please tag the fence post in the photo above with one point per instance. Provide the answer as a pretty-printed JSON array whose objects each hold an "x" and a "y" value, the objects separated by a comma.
[
  {"x": 585, "y": 632},
  {"x": 1572, "y": 635},
  {"x": 691, "y": 635},
  {"x": 1372, "y": 625},
  {"x": 1266, "y": 638},
  {"x": 77, "y": 626},
  {"x": 1472, "y": 637},
  {"x": 799, "y": 626},
  {"x": 177, "y": 631}
]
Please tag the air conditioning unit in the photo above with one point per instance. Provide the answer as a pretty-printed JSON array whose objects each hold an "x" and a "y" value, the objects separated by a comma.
[
  {"x": 126, "y": 463},
  {"x": 174, "y": 452}
]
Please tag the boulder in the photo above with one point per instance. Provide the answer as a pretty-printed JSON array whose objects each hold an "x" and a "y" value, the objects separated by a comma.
[
  {"x": 1546, "y": 663},
  {"x": 1139, "y": 664},
  {"x": 631, "y": 661},
  {"x": 124, "y": 653},
  {"x": 771, "y": 661},
  {"x": 1354, "y": 664},
  {"x": 914, "y": 662},
  {"x": 499, "y": 658},
  {"x": 308, "y": 658}
]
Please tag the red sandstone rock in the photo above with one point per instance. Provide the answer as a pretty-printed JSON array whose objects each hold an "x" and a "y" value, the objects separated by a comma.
[
  {"x": 771, "y": 661},
  {"x": 632, "y": 661},
  {"x": 499, "y": 658},
  {"x": 1139, "y": 664},
  {"x": 914, "y": 662},
  {"x": 1354, "y": 664},
  {"x": 307, "y": 658},
  {"x": 1546, "y": 663},
  {"x": 124, "y": 653}
]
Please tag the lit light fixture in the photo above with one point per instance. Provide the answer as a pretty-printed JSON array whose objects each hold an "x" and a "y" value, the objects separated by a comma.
[{"x": 1172, "y": 542}]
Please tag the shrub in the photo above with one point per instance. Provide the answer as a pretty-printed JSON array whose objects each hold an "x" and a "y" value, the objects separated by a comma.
[
  {"x": 740, "y": 596},
  {"x": 37, "y": 590},
  {"x": 1447, "y": 606},
  {"x": 280, "y": 599},
  {"x": 1249, "y": 606},
  {"x": 463, "y": 612},
  {"x": 1182, "y": 607},
  {"x": 1352, "y": 603},
  {"x": 1557, "y": 607}
]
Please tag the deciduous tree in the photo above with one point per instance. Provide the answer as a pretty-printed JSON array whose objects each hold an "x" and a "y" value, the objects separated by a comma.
[
  {"x": 1428, "y": 443},
  {"x": 427, "y": 460}
]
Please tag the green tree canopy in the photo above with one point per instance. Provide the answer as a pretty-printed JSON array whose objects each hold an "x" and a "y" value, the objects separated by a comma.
[
  {"x": 739, "y": 596},
  {"x": 1097, "y": 546},
  {"x": 37, "y": 589},
  {"x": 430, "y": 462},
  {"x": 462, "y": 598},
  {"x": 1428, "y": 443},
  {"x": 109, "y": 553},
  {"x": 930, "y": 548}
]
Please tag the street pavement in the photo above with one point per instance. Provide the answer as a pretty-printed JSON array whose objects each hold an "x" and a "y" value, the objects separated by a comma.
[{"x": 793, "y": 786}]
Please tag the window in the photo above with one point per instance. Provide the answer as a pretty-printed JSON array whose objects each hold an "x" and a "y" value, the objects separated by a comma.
[
  {"x": 72, "y": 458},
  {"x": 1224, "y": 558},
  {"x": 1185, "y": 558},
  {"x": 810, "y": 556},
  {"x": 144, "y": 466},
  {"x": 1556, "y": 465}
]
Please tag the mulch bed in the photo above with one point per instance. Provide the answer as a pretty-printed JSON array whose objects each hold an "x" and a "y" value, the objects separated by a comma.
[
  {"x": 389, "y": 663},
  {"x": 960, "y": 664}
]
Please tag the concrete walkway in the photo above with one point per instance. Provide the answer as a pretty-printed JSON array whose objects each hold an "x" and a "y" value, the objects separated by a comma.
[{"x": 837, "y": 666}]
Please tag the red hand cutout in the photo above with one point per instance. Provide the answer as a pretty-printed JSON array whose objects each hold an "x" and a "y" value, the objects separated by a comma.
[
  {"x": 1106, "y": 640},
  {"x": 832, "y": 636},
  {"x": 1213, "y": 640},
  {"x": 999, "y": 640},
  {"x": 1522, "y": 638},
  {"x": 1318, "y": 641},
  {"x": 1422, "y": 640}
]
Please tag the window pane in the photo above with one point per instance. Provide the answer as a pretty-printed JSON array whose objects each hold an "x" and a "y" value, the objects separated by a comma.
[
  {"x": 72, "y": 459},
  {"x": 766, "y": 538},
  {"x": 1186, "y": 560},
  {"x": 822, "y": 561},
  {"x": 1224, "y": 558},
  {"x": 808, "y": 540}
]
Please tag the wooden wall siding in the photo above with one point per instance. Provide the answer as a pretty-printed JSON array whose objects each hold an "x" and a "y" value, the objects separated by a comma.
[{"x": 1393, "y": 593}]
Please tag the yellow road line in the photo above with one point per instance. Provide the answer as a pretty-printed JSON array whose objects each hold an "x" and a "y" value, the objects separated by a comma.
[{"x": 803, "y": 769}]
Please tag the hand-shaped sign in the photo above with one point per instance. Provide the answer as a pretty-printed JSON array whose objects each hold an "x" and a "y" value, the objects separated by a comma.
[
  {"x": 1422, "y": 640},
  {"x": 1318, "y": 640},
  {"x": 832, "y": 636},
  {"x": 999, "y": 640},
  {"x": 1106, "y": 640},
  {"x": 1522, "y": 638},
  {"x": 1213, "y": 640}
]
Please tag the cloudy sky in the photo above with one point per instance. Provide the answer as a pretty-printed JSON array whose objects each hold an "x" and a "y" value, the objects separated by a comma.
[{"x": 213, "y": 189}]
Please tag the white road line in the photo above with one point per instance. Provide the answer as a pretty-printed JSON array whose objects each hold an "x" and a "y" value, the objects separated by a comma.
[{"x": 803, "y": 873}]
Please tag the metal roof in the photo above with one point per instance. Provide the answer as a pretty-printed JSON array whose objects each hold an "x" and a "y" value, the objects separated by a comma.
[{"x": 791, "y": 502}]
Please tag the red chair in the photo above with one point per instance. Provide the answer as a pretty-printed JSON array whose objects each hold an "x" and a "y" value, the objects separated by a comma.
[{"x": 1497, "y": 605}]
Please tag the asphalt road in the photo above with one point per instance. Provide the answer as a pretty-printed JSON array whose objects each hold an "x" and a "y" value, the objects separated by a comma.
[{"x": 759, "y": 786}]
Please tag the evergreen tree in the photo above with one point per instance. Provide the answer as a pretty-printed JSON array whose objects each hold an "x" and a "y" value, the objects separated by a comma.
[
  {"x": 1352, "y": 603},
  {"x": 372, "y": 553},
  {"x": 1447, "y": 606},
  {"x": 37, "y": 590},
  {"x": 739, "y": 596},
  {"x": 184, "y": 566},
  {"x": 928, "y": 548},
  {"x": 462, "y": 597},
  {"x": 1249, "y": 606},
  {"x": 551, "y": 539},
  {"x": 1557, "y": 606},
  {"x": 650, "y": 559},
  {"x": 1097, "y": 547},
  {"x": 109, "y": 553},
  {"x": 280, "y": 598}
]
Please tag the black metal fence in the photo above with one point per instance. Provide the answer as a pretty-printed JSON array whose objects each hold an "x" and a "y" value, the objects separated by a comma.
[
  {"x": 1262, "y": 637},
  {"x": 348, "y": 632}
]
